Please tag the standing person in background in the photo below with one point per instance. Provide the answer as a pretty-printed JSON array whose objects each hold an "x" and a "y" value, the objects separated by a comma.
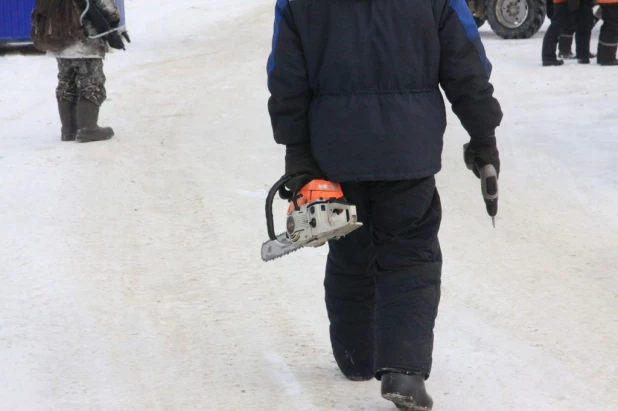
[
  {"x": 81, "y": 81},
  {"x": 568, "y": 15},
  {"x": 559, "y": 19},
  {"x": 608, "y": 39},
  {"x": 579, "y": 25},
  {"x": 355, "y": 98}
]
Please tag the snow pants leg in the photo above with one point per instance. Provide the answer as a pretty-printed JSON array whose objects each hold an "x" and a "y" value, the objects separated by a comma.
[
  {"x": 566, "y": 37},
  {"x": 584, "y": 21},
  {"x": 608, "y": 37},
  {"x": 559, "y": 19},
  {"x": 383, "y": 281},
  {"x": 350, "y": 295}
]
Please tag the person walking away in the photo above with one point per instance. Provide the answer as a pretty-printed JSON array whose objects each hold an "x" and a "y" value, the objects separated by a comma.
[
  {"x": 81, "y": 80},
  {"x": 355, "y": 98},
  {"x": 608, "y": 38}
]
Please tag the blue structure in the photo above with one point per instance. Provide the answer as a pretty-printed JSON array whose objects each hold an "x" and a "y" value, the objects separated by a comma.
[{"x": 15, "y": 18}]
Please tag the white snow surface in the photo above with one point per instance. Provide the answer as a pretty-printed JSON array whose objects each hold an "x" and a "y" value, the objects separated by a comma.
[{"x": 130, "y": 270}]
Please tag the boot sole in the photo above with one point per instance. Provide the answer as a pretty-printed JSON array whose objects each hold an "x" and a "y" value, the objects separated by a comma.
[
  {"x": 404, "y": 402},
  {"x": 92, "y": 140},
  {"x": 553, "y": 63},
  {"x": 358, "y": 378}
]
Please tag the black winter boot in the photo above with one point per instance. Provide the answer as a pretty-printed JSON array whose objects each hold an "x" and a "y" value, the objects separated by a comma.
[
  {"x": 407, "y": 392},
  {"x": 87, "y": 118},
  {"x": 606, "y": 55},
  {"x": 549, "y": 63},
  {"x": 586, "y": 59},
  {"x": 582, "y": 48},
  {"x": 68, "y": 119},
  {"x": 564, "y": 47}
]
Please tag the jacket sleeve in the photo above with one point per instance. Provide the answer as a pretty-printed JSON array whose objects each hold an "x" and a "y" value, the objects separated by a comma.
[
  {"x": 109, "y": 9},
  {"x": 288, "y": 81},
  {"x": 465, "y": 71}
]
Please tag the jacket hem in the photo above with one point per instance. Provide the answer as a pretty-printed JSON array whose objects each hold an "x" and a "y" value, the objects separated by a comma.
[
  {"x": 384, "y": 176},
  {"x": 376, "y": 92}
]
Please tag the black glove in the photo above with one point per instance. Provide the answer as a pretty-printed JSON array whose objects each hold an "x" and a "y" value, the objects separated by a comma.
[
  {"x": 300, "y": 164},
  {"x": 481, "y": 152},
  {"x": 115, "y": 41}
]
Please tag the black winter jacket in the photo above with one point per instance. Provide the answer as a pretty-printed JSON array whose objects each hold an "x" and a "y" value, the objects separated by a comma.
[{"x": 359, "y": 80}]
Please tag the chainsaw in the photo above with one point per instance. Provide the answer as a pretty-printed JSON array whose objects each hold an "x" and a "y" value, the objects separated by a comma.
[{"x": 316, "y": 214}]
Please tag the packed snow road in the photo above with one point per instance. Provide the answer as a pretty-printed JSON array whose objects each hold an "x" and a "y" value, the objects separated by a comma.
[{"x": 131, "y": 277}]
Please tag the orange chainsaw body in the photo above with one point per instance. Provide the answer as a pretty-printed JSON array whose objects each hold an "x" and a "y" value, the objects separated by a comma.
[{"x": 317, "y": 190}]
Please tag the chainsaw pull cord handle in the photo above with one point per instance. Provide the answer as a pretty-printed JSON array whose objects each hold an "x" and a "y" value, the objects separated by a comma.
[{"x": 284, "y": 193}]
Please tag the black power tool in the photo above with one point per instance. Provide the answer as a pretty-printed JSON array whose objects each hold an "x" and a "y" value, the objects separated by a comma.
[
  {"x": 489, "y": 184},
  {"x": 109, "y": 32}
]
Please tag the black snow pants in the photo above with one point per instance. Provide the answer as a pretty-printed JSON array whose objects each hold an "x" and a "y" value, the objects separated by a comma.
[
  {"x": 608, "y": 37},
  {"x": 579, "y": 23},
  {"x": 559, "y": 20},
  {"x": 383, "y": 281}
]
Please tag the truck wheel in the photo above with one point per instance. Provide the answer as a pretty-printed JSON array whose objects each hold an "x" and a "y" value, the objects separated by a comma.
[
  {"x": 479, "y": 22},
  {"x": 516, "y": 19}
]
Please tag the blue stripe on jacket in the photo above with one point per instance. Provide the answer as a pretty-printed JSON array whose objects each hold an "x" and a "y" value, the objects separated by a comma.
[
  {"x": 279, "y": 9},
  {"x": 465, "y": 17}
]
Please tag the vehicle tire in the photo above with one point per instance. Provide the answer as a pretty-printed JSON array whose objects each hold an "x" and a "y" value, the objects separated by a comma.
[
  {"x": 479, "y": 22},
  {"x": 516, "y": 19}
]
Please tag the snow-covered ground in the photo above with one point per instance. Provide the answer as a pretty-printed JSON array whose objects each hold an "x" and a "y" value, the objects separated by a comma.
[{"x": 130, "y": 276}]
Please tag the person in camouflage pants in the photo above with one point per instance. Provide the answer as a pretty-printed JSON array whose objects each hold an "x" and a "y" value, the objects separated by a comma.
[{"x": 81, "y": 80}]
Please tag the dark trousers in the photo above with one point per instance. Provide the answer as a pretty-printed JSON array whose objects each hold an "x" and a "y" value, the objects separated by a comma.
[
  {"x": 608, "y": 38},
  {"x": 559, "y": 20},
  {"x": 81, "y": 79},
  {"x": 579, "y": 23},
  {"x": 383, "y": 281}
]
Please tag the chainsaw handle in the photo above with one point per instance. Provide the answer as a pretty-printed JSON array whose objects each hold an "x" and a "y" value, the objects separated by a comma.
[{"x": 279, "y": 185}]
